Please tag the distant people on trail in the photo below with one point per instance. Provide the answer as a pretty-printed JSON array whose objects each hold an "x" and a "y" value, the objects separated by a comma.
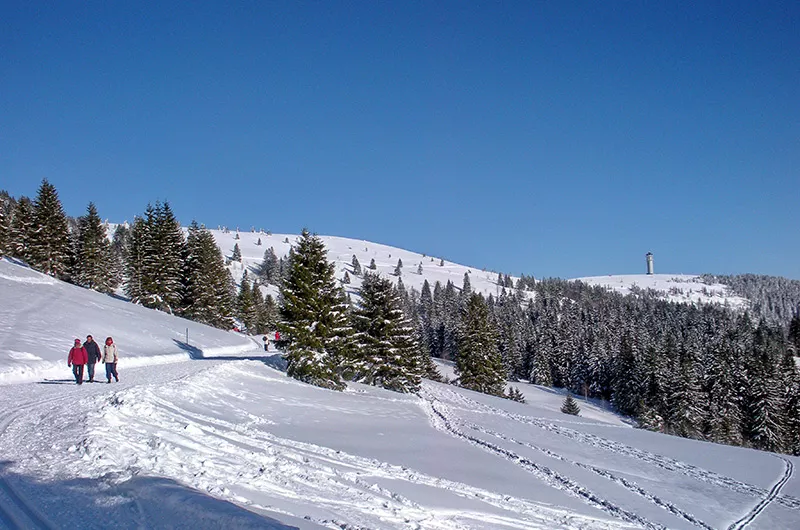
[
  {"x": 110, "y": 359},
  {"x": 266, "y": 343},
  {"x": 77, "y": 358},
  {"x": 277, "y": 339},
  {"x": 94, "y": 355}
]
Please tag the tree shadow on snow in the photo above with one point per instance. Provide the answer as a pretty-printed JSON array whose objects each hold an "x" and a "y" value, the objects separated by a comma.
[
  {"x": 273, "y": 360},
  {"x": 114, "y": 502}
]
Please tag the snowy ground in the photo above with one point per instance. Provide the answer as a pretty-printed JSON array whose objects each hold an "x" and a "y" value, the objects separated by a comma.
[
  {"x": 681, "y": 288},
  {"x": 231, "y": 442}
]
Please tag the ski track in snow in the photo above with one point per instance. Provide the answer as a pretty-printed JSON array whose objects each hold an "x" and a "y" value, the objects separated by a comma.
[
  {"x": 20, "y": 512},
  {"x": 661, "y": 461},
  {"x": 209, "y": 452},
  {"x": 761, "y": 506},
  {"x": 442, "y": 421},
  {"x": 625, "y": 483}
]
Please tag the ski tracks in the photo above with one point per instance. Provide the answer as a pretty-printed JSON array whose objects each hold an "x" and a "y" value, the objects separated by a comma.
[
  {"x": 19, "y": 512},
  {"x": 441, "y": 421},
  {"x": 667, "y": 463},
  {"x": 771, "y": 496}
]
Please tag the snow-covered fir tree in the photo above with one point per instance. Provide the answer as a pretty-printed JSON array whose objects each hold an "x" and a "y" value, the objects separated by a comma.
[
  {"x": 388, "y": 353},
  {"x": 419, "y": 268},
  {"x": 237, "y": 253},
  {"x": 269, "y": 270},
  {"x": 49, "y": 243},
  {"x": 207, "y": 295},
  {"x": 155, "y": 264},
  {"x": 246, "y": 306},
  {"x": 314, "y": 317},
  {"x": 94, "y": 265},
  {"x": 356, "y": 266},
  {"x": 570, "y": 406},
  {"x": 372, "y": 265},
  {"x": 479, "y": 365},
  {"x": 346, "y": 278}
]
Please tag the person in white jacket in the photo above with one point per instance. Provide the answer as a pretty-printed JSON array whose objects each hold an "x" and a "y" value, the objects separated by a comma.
[{"x": 110, "y": 359}]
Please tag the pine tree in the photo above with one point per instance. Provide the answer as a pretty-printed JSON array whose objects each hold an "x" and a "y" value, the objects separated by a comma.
[
  {"x": 372, "y": 264},
  {"x": 207, "y": 294},
  {"x": 49, "y": 241},
  {"x": 156, "y": 262},
  {"x": 794, "y": 332},
  {"x": 479, "y": 365},
  {"x": 246, "y": 307},
  {"x": 258, "y": 243},
  {"x": 356, "y": 266},
  {"x": 441, "y": 263},
  {"x": 388, "y": 352},
  {"x": 269, "y": 271},
  {"x": 570, "y": 406},
  {"x": 94, "y": 266},
  {"x": 314, "y": 317},
  {"x": 346, "y": 278},
  {"x": 419, "y": 268},
  {"x": 466, "y": 287},
  {"x": 5, "y": 225},
  {"x": 237, "y": 254}
]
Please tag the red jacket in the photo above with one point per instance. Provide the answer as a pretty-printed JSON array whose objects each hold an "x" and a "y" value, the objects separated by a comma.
[{"x": 78, "y": 356}]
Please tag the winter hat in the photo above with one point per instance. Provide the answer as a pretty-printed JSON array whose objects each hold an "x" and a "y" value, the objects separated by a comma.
[
  {"x": 78, "y": 342},
  {"x": 109, "y": 340}
]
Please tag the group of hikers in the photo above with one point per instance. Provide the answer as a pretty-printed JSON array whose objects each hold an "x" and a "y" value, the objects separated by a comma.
[{"x": 89, "y": 354}]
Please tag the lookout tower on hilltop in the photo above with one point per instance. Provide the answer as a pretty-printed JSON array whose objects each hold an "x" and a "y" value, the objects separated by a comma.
[{"x": 649, "y": 257}]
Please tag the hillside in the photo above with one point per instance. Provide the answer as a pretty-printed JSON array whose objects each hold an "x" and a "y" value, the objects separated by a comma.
[
  {"x": 678, "y": 288},
  {"x": 341, "y": 251},
  {"x": 211, "y": 443}
]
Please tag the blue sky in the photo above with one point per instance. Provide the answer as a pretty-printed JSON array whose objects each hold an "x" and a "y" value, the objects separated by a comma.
[{"x": 555, "y": 139}]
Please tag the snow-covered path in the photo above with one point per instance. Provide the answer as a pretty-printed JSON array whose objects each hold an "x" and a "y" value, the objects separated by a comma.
[{"x": 235, "y": 443}]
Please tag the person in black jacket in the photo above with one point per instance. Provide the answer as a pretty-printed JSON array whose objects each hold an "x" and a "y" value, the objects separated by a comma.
[{"x": 93, "y": 352}]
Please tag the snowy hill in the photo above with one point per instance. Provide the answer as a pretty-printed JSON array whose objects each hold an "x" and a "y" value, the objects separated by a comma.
[
  {"x": 234, "y": 443},
  {"x": 341, "y": 251},
  {"x": 680, "y": 288},
  {"x": 41, "y": 316}
]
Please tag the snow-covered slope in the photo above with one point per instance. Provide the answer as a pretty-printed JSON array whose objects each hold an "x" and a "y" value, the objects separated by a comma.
[
  {"x": 341, "y": 251},
  {"x": 235, "y": 443},
  {"x": 40, "y": 317},
  {"x": 681, "y": 288}
]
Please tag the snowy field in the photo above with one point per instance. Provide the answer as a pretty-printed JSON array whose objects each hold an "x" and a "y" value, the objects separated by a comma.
[
  {"x": 231, "y": 442},
  {"x": 680, "y": 288}
]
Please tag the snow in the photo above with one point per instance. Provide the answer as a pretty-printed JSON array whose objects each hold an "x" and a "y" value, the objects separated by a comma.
[
  {"x": 681, "y": 288},
  {"x": 341, "y": 251},
  {"x": 230, "y": 441}
]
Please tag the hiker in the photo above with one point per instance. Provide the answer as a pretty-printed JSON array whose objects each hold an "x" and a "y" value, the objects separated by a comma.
[
  {"x": 77, "y": 358},
  {"x": 266, "y": 343},
  {"x": 277, "y": 340},
  {"x": 110, "y": 358},
  {"x": 94, "y": 356}
]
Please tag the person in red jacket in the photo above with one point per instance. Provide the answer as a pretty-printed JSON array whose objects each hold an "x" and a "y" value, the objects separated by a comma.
[{"x": 77, "y": 359}]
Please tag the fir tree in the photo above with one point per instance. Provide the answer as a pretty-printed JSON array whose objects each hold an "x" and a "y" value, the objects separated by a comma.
[
  {"x": 356, "y": 266},
  {"x": 466, "y": 287},
  {"x": 156, "y": 261},
  {"x": 258, "y": 243},
  {"x": 246, "y": 307},
  {"x": 314, "y": 316},
  {"x": 346, "y": 278},
  {"x": 372, "y": 264},
  {"x": 237, "y": 254},
  {"x": 419, "y": 268},
  {"x": 5, "y": 225},
  {"x": 95, "y": 266},
  {"x": 479, "y": 365},
  {"x": 794, "y": 332},
  {"x": 570, "y": 406},
  {"x": 269, "y": 271},
  {"x": 49, "y": 241},
  {"x": 398, "y": 270},
  {"x": 388, "y": 352},
  {"x": 207, "y": 295},
  {"x": 441, "y": 263}
]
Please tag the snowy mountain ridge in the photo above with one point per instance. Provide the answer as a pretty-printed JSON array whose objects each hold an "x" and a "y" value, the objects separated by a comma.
[{"x": 679, "y": 288}]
